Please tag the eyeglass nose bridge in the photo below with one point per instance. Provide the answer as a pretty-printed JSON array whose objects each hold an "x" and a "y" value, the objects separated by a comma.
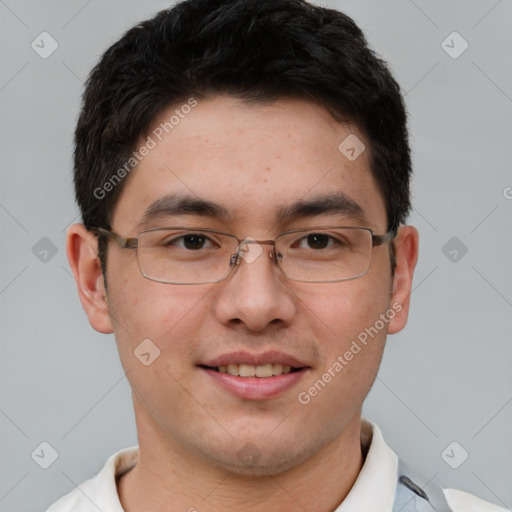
[{"x": 237, "y": 256}]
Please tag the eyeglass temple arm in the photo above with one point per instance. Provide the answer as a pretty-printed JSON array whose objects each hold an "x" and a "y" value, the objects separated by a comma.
[
  {"x": 382, "y": 239},
  {"x": 124, "y": 243},
  {"x": 132, "y": 243}
]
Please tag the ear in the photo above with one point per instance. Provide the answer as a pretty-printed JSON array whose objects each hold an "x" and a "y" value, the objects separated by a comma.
[
  {"x": 406, "y": 255},
  {"x": 82, "y": 251}
]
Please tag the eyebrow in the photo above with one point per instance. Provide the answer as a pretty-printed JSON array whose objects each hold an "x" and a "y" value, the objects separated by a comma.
[
  {"x": 334, "y": 203},
  {"x": 175, "y": 204}
]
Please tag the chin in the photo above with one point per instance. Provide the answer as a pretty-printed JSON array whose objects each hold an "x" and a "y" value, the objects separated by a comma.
[
  {"x": 265, "y": 467},
  {"x": 248, "y": 460}
]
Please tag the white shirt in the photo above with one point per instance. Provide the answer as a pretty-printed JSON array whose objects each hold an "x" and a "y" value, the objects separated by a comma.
[{"x": 378, "y": 474}]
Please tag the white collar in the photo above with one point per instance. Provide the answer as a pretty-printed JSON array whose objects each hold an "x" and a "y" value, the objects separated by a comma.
[{"x": 374, "y": 488}]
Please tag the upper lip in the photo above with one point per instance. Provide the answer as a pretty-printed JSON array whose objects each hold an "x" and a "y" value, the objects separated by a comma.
[{"x": 271, "y": 357}]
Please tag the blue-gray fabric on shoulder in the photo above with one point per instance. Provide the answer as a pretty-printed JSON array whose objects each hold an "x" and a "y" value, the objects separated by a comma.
[{"x": 410, "y": 497}]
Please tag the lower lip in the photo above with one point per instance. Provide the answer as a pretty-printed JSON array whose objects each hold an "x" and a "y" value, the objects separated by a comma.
[{"x": 256, "y": 388}]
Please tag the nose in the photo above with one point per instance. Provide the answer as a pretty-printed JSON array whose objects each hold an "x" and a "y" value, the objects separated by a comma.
[{"x": 256, "y": 294}]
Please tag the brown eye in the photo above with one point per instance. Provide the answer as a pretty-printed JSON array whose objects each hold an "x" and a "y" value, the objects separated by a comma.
[
  {"x": 194, "y": 241},
  {"x": 318, "y": 241},
  {"x": 189, "y": 241}
]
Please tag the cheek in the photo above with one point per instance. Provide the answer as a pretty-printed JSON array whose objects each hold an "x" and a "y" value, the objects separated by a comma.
[
  {"x": 351, "y": 348},
  {"x": 156, "y": 334},
  {"x": 351, "y": 339},
  {"x": 167, "y": 315},
  {"x": 340, "y": 311}
]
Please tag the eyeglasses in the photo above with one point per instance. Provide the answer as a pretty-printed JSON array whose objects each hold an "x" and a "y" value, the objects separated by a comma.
[{"x": 181, "y": 255}]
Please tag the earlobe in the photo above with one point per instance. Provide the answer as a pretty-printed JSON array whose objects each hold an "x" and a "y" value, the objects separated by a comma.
[
  {"x": 406, "y": 252},
  {"x": 82, "y": 252}
]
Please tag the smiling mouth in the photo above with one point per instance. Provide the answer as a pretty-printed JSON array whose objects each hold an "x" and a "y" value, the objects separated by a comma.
[{"x": 249, "y": 370}]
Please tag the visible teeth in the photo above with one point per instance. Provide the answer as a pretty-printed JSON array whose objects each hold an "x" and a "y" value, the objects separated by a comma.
[
  {"x": 249, "y": 370},
  {"x": 277, "y": 369},
  {"x": 232, "y": 369},
  {"x": 264, "y": 371}
]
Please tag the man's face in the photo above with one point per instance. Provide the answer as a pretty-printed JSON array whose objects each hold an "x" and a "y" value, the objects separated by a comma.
[{"x": 253, "y": 161}]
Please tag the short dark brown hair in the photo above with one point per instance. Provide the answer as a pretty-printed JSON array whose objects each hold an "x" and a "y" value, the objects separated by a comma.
[{"x": 254, "y": 50}]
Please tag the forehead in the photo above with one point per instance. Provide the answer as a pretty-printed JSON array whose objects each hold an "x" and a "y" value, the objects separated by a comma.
[{"x": 254, "y": 160}]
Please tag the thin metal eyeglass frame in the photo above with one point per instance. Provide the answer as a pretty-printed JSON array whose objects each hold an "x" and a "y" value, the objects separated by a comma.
[{"x": 133, "y": 243}]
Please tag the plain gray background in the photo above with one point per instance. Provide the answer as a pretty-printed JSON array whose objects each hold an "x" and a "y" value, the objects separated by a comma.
[{"x": 446, "y": 378}]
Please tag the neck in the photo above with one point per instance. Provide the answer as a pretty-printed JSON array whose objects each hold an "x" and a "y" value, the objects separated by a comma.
[{"x": 167, "y": 478}]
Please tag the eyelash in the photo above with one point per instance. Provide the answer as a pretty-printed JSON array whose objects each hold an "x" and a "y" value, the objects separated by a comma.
[{"x": 175, "y": 240}]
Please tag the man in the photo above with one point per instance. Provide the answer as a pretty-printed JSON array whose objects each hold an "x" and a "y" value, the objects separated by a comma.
[{"x": 242, "y": 170}]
